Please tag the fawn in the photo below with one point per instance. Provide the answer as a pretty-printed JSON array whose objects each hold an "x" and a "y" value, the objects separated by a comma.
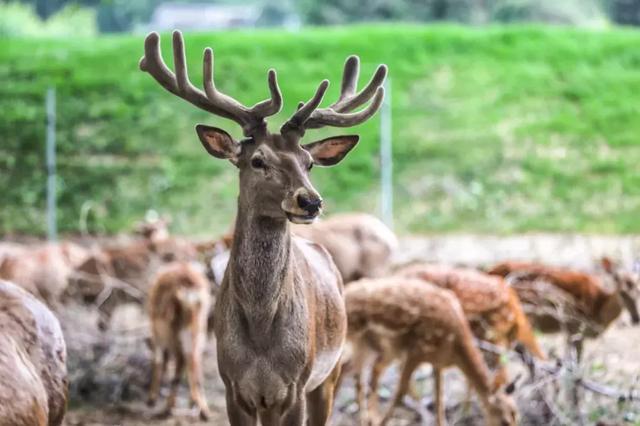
[
  {"x": 492, "y": 308},
  {"x": 415, "y": 322},
  {"x": 33, "y": 371},
  {"x": 179, "y": 302},
  {"x": 561, "y": 299},
  {"x": 279, "y": 317}
]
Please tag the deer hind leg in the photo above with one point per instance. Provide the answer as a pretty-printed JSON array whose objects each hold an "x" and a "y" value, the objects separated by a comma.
[
  {"x": 408, "y": 367},
  {"x": 320, "y": 400},
  {"x": 379, "y": 367},
  {"x": 194, "y": 376},
  {"x": 159, "y": 369},
  {"x": 175, "y": 382}
]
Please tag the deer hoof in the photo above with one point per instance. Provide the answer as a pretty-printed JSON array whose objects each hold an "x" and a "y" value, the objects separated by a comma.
[{"x": 205, "y": 414}]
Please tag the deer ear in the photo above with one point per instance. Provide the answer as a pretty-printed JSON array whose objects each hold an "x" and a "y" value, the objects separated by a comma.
[
  {"x": 607, "y": 264},
  {"x": 331, "y": 151},
  {"x": 218, "y": 143}
]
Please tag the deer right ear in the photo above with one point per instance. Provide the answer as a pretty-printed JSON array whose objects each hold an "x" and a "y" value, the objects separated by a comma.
[{"x": 218, "y": 143}]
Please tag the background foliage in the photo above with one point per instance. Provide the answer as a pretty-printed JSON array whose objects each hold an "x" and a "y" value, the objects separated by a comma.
[
  {"x": 495, "y": 130},
  {"x": 127, "y": 15}
]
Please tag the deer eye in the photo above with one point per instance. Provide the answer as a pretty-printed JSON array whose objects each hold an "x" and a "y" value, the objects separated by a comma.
[
  {"x": 310, "y": 166},
  {"x": 258, "y": 163}
]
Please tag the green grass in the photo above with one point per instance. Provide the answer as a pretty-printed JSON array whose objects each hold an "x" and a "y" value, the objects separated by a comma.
[{"x": 500, "y": 129}]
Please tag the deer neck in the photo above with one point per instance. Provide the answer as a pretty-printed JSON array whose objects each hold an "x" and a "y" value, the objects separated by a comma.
[
  {"x": 609, "y": 308},
  {"x": 260, "y": 263}
]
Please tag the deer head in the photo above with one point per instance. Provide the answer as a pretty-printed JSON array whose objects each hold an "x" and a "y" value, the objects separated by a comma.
[
  {"x": 627, "y": 287},
  {"x": 274, "y": 167}
]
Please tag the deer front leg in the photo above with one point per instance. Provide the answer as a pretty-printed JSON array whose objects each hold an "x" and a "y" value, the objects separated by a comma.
[
  {"x": 320, "y": 400},
  {"x": 441, "y": 418},
  {"x": 237, "y": 413}
]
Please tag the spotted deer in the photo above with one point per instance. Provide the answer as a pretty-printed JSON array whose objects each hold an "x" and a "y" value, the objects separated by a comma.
[
  {"x": 415, "y": 322},
  {"x": 279, "y": 318},
  {"x": 179, "y": 301},
  {"x": 33, "y": 372},
  {"x": 561, "y": 299},
  {"x": 492, "y": 308}
]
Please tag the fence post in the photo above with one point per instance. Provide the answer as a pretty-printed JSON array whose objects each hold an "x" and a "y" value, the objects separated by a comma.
[
  {"x": 386, "y": 159},
  {"x": 52, "y": 230}
]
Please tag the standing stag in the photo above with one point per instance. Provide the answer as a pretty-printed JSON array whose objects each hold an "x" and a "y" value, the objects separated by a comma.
[
  {"x": 280, "y": 318},
  {"x": 33, "y": 355}
]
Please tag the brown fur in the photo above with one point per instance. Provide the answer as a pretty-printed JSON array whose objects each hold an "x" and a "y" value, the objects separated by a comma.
[
  {"x": 33, "y": 373},
  {"x": 492, "y": 308},
  {"x": 279, "y": 309},
  {"x": 585, "y": 293},
  {"x": 43, "y": 270},
  {"x": 360, "y": 244},
  {"x": 179, "y": 301},
  {"x": 121, "y": 274},
  {"x": 562, "y": 299},
  {"x": 279, "y": 318},
  {"x": 416, "y": 322}
]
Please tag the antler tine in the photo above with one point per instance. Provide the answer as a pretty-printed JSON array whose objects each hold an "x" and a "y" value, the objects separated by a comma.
[
  {"x": 348, "y": 103},
  {"x": 239, "y": 112},
  {"x": 349, "y": 78},
  {"x": 339, "y": 113},
  {"x": 211, "y": 99},
  {"x": 301, "y": 116},
  {"x": 271, "y": 106},
  {"x": 328, "y": 117}
]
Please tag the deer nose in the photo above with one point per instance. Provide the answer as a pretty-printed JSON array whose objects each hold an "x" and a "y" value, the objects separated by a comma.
[{"x": 309, "y": 204}]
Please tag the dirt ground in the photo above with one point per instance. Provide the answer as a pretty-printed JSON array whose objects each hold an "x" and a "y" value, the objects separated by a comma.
[{"x": 110, "y": 371}]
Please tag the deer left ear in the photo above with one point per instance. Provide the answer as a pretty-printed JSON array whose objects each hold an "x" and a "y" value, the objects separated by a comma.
[{"x": 330, "y": 151}]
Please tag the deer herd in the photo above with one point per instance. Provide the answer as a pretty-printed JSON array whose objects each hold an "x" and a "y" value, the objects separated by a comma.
[{"x": 296, "y": 305}]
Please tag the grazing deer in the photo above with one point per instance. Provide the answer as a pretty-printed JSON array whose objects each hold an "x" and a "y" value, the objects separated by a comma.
[
  {"x": 33, "y": 355},
  {"x": 360, "y": 244},
  {"x": 43, "y": 270},
  {"x": 560, "y": 299},
  {"x": 280, "y": 321},
  {"x": 491, "y": 306},
  {"x": 179, "y": 303},
  {"x": 415, "y": 322}
]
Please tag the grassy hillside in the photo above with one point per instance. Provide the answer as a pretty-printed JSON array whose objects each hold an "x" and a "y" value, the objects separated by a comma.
[{"x": 495, "y": 130}]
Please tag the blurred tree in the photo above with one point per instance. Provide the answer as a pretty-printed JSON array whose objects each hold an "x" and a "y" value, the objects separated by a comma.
[{"x": 625, "y": 12}]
